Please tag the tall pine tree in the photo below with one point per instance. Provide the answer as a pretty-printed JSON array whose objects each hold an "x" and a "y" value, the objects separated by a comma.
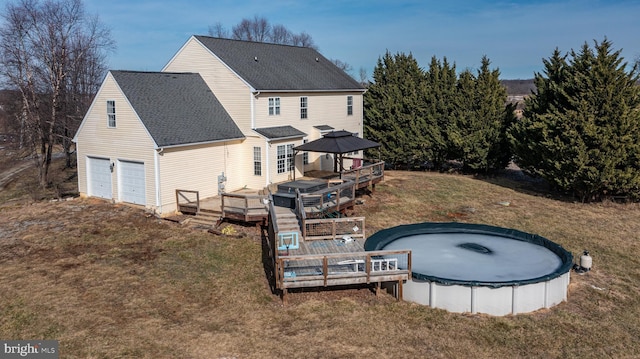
[
  {"x": 394, "y": 110},
  {"x": 481, "y": 120},
  {"x": 440, "y": 110},
  {"x": 580, "y": 129}
]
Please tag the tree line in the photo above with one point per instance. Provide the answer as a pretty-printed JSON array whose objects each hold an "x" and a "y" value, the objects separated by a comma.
[
  {"x": 580, "y": 129},
  {"x": 435, "y": 117},
  {"x": 52, "y": 58}
]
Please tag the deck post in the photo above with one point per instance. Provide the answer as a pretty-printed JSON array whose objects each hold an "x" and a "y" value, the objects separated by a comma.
[
  {"x": 325, "y": 269},
  {"x": 399, "y": 293}
]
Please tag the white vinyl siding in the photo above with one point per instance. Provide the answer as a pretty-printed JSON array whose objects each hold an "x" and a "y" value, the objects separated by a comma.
[
  {"x": 232, "y": 92},
  {"x": 129, "y": 141},
  {"x": 204, "y": 163}
]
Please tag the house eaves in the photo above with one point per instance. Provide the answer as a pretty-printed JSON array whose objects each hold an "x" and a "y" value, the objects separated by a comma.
[{"x": 176, "y": 109}]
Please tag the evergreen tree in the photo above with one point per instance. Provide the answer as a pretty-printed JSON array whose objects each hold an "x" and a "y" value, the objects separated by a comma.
[
  {"x": 580, "y": 129},
  {"x": 441, "y": 81},
  {"x": 394, "y": 109},
  {"x": 479, "y": 138}
]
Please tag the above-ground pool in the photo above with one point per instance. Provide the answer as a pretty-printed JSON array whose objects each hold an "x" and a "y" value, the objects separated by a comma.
[{"x": 473, "y": 268}]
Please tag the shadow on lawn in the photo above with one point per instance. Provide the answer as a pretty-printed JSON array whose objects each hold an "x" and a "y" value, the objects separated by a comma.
[{"x": 515, "y": 179}]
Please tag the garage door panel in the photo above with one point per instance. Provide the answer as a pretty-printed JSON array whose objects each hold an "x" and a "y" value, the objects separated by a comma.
[
  {"x": 132, "y": 182},
  {"x": 99, "y": 177}
]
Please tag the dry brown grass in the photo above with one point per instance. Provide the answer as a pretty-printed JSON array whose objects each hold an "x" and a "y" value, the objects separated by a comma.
[{"x": 110, "y": 281}]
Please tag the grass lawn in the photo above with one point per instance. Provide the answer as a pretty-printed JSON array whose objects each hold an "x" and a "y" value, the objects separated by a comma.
[{"x": 110, "y": 281}]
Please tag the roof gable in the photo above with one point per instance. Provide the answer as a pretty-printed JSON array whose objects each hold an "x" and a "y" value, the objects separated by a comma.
[
  {"x": 176, "y": 108},
  {"x": 273, "y": 67}
]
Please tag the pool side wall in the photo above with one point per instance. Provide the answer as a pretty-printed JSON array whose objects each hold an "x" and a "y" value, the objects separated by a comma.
[
  {"x": 500, "y": 301},
  {"x": 493, "y": 298}
]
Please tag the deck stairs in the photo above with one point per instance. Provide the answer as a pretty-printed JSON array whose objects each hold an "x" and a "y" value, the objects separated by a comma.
[
  {"x": 205, "y": 219},
  {"x": 287, "y": 221}
]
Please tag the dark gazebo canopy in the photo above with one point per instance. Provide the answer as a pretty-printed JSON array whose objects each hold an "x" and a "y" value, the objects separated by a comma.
[{"x": 337, "y": 142}]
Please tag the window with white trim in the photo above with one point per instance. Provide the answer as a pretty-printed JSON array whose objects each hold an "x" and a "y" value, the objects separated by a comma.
[
  {"x": 303, "y": 107},
  {"x": 257, "y": 161},
  {"x": 349, "y": 105},
  {"x": 284, "y": 158},
  {"x": 111, "y": 113},
  {"x": 274, "y": 106},
  {"x": 305, "y": 155}
]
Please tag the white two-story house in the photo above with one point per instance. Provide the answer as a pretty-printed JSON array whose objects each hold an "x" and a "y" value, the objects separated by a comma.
[{"x": 221, "y": 115}]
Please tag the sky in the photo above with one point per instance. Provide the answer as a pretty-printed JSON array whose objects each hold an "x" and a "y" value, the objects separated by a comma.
[{"x": 515, "y": 35}]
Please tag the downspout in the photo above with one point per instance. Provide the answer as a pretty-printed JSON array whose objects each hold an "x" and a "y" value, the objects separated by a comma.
[
  {"x": 253, "y": 109},
  {"x": 156, "y": 160}
]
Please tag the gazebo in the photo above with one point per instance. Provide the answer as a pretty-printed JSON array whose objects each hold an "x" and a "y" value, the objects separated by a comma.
[{"x": 337, "y": 143}]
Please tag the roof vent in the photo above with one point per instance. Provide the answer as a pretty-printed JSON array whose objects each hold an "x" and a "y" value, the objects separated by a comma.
[
  {"x": 317, "y": 59},
  {"x": 255, "y": 58}
]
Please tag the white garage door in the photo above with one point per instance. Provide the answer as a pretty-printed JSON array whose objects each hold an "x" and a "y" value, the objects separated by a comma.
[
  {"x": 132, "y": 184},
  {"x": 99, "y": 177}
]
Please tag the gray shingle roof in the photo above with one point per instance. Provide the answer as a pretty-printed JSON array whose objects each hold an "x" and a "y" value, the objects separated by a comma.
[
  {"x": 337, "y": 142},
  {"x": 324, "y": 127},
  {"x": 280, "y": 132},
  {"x": 176, "y": 108},
  {"x": 280, "y": 67}
]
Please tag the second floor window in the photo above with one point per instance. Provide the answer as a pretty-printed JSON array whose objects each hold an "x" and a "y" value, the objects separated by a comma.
[
  {"x": 274, "y": 106},
  {"x": 303, "y": 107},
  {"x": 349, "y": 105},
  {"x": 111, "y": 113}
]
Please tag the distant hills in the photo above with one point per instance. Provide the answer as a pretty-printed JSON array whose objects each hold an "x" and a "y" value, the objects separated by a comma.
[{"x": 519, "y": 87}]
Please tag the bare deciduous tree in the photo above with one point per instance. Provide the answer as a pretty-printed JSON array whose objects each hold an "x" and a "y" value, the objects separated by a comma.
[
  {"x": 259, "y": 29},
  {"x": 303, "y": 39},
  {"x": 342, "y": 65},
  {"x": 53, "y": 54},
  {"x": 280, "y": 35},
  {"x": 218, "y": 30}
]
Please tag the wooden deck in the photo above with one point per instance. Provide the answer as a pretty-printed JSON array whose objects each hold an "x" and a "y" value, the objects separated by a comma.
[{"x": 335, "y": 257}]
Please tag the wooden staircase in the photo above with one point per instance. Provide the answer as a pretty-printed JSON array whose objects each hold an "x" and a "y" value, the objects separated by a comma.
[
  {"x": 204, "y": 219},
  {"x": 287, "y": 221}
]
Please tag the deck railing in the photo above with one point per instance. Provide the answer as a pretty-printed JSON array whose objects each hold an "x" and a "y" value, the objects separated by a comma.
[
  {"x": 188, "y": 201},
  {"x": 364, "y": 176},
  {"x": 343, "y": 268},
  {"x": 331, "y": 228},
  {"x": 245, "y": 207},
  {"x": 334, "y": 198}
]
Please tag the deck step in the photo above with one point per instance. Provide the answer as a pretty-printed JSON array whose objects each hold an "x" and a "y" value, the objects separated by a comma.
[
  {"x": 206, "y": 211},
  {"x": 205, "y": 219},
  {"x": 289, "y": 229}
]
